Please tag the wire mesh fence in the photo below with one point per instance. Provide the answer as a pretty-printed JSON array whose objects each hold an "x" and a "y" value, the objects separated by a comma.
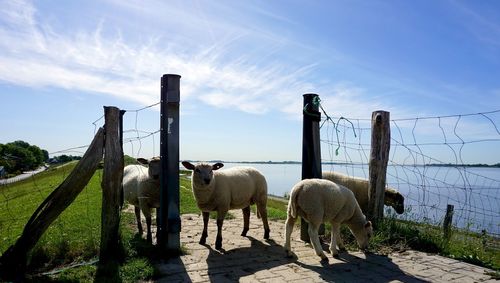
[
  {"x": 434, "y": 161},
  {"x": 75, "y": 235}
]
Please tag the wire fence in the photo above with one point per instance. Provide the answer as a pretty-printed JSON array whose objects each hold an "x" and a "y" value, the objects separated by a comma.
[
  {"x": 429, "y": 164},
  {"x": 434, "y": 161},
  {"x": 78, "y": 226}
]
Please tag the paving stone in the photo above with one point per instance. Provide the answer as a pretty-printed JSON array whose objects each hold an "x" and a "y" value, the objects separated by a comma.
[{"x": 252, "y": 259}]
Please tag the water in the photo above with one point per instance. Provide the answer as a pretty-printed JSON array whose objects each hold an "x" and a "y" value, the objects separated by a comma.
[{"x": 473, "y": 191}]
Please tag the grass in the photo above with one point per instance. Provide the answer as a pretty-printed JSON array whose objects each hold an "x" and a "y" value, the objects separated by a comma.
[{"x": 74, "y": 237}]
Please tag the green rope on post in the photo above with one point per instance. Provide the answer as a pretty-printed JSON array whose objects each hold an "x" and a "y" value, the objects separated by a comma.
[{"x": 317, "y": 102}]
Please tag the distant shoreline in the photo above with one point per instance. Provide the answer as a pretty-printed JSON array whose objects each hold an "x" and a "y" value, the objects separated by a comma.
[{"x": 345, "y": 163}]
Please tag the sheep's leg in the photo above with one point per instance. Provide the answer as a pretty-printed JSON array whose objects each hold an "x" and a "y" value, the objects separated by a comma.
[
  {"x": 263, "y": 214},
  {"x": 290, "y": 222},
  {"x": 138, "y": 219},
  {"x": 246, "y": 220},
  {"x": 336, "y": 240},
  {"x": 314, "y": 237},
  {"x": 147, "y": 214},
  {"x": 220, "y": 221},
  {"x": 204, "y": 234}
]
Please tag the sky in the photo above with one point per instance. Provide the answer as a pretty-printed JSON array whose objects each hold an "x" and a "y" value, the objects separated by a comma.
[{"x": 244, "y": 67}]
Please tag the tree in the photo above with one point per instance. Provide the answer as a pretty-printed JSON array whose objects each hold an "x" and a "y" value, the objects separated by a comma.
[{"x": 20, "y": 156}]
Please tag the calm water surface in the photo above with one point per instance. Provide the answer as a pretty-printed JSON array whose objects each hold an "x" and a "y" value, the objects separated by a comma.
[{"x": 474, "y": 192}]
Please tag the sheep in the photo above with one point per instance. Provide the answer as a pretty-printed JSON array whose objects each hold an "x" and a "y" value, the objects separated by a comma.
[
  {"x": 234, "y": 188},
  {"x": 360, "y": 189},
  {"x": 318, "y": 201},
  {"x": 141, "y": 188}
]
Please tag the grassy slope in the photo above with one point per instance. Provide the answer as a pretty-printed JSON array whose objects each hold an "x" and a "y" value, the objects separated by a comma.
[{"x": 74, "y": 237}]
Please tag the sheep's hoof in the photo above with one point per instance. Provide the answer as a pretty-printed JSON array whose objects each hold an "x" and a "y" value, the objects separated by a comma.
[
  {"x": 266, "y": 234},
  {"x": 342, "y": 250},
  {"x": 324, "y": 259},
  {"x": 218, "y": 245},
  {"x": 244, "y": 233},
  {"x": 202, "y": 241}
]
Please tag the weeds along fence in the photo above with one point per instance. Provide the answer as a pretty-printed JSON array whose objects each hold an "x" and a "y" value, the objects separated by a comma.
[
  {"x": 35, "y": 226},
  {"x": 434, "y": 162}
]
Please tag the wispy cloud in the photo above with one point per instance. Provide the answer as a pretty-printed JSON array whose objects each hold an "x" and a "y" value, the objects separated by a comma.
[
  {"x": 35, "y": 55},
  {"x": 481, "y": 24}
]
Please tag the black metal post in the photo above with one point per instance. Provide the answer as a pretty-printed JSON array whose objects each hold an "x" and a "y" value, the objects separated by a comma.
[
  {"x": 311, "y": 149},
  {"x": 170, "y": 221}
]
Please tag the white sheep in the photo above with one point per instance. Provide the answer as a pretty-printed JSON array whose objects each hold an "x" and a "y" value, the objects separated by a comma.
[
  {"x": 360, "y": 189},
  {"x": 234, "y": 188},
  {"x": 141, "y": 188},
  {"x": 318, "y": 201}
]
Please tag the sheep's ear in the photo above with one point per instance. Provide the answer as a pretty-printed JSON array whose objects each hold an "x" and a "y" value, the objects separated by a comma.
[
  {"x": 142, "y": 160},
  {"x": 368, "y": 224},
  {"x": 217, "y": 166},
  {"x": 188, "y": 165}
]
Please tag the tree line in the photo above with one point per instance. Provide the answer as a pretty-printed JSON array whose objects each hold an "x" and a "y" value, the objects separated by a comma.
[{"x": 20, "y": 156}]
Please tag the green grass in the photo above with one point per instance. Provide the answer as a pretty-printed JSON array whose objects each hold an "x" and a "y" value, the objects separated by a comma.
[{"x": 74, "y": 237}]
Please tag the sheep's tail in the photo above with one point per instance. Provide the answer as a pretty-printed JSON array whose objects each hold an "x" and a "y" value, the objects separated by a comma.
[{"x": 292, "y": 203}]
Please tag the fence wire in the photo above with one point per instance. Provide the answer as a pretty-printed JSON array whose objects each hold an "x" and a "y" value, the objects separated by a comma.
[
  {"x": 78, "y": 226},
  {"x": 434, "y": 161}
]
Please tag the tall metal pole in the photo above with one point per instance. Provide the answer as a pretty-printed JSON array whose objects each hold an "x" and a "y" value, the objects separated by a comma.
[
  {"x": 170, "y": 221},
  {"x": 311, "y": 149}
]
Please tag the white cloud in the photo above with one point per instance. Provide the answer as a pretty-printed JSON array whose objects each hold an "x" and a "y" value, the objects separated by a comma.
[{"x": 35, "y": 55}]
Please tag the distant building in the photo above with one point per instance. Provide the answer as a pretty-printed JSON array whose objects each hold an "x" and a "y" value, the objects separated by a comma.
[{"x": 2, "y": 172}]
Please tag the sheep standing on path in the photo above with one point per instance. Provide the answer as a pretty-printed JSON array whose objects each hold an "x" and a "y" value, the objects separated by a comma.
[
  {"x": 141, "y": 188},
  {"x": 318, "y": 201},
  {"x": 234, "y": 188},
  {"x": 360, "y": 189}
]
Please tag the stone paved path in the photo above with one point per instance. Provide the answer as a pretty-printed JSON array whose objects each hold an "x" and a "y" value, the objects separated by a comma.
[{"x": 251, "y": 259}]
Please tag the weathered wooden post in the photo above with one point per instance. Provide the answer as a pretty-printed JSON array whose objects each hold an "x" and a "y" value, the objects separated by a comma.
[
  {"x": 448, "y": 219},
  {"x": 379, "y": 157},
  {"x": 13, "y": 261},
  {"x": 111, "y": 246},
  {"x": 311, "y": 148},
  {"x": 170, "y": 221}
]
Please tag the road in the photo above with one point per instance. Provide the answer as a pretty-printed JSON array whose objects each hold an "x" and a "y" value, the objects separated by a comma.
[{"x": 23, "y": 176}]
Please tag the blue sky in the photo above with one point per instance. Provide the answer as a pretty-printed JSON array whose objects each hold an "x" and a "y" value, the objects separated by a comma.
[{"x": 244, "y": 68}]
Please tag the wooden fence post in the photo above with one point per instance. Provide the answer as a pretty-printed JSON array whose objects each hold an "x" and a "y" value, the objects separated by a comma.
[
  {"x": 111, "y": 248},
  {"x": 170, "y": 221},
  {"x": 379, "y": 157},
  {"x": 311, "y": 148},
  {"x": 13, "y": 261},
  {"x": 448, "y": 219}
]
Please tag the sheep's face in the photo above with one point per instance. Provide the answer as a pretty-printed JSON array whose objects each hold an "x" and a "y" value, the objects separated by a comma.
[
  {"x": 154, "y": 168},
  {"x": 363, "y": 235},
  {"x": 203, "y": 173},
  {"x": 396, "y": 200}
]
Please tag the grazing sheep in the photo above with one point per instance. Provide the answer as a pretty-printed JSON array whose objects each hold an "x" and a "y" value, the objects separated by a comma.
[
  {"x": 360, "y": 189},
  {"x": 141, "y": 188},
  {"x": 234, "y": 188},
  {"x": 318, "y": 201}
]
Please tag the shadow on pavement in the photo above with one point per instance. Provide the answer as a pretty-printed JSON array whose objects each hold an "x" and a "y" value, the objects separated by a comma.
[
  {"x": 373, "y": 268},
  {"x": 231, "y": 265}
]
